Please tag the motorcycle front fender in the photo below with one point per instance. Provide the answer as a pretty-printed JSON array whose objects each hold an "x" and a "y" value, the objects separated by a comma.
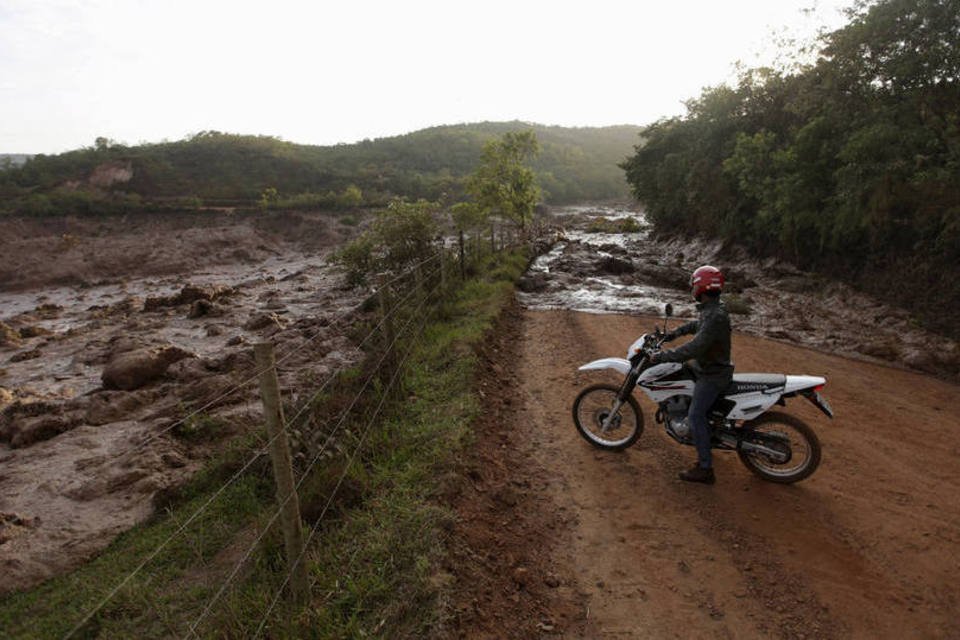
[{"x": 620, "y": 365}]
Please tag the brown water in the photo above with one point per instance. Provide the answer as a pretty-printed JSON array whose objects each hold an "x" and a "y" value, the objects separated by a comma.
[
  {"x": 636, "y": 273},
  {"x": 79, "y": 463}
]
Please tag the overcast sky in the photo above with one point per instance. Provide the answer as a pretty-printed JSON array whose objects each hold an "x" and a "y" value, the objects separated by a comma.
[{"x": 324, "y": 72}]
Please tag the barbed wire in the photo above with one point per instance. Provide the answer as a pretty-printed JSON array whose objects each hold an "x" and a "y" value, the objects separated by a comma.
[
  {"x": 336, "y": 488},
  {"x": 343, "y": 417},
  {"x": 219, "y": 491},
  {"x": 257, "y": 373}
]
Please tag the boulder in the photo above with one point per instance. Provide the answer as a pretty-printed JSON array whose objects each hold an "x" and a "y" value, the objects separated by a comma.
[
  {"x": 133, "y": 369},
  {"x": 534, "y": 282},
  {"x": 616, "y": 266},
  {"x": 188, "y": 295},
  {"x": 262, "y": 321}
]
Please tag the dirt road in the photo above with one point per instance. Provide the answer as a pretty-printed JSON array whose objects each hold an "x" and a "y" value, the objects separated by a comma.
[{"x": 869, "y": 547}]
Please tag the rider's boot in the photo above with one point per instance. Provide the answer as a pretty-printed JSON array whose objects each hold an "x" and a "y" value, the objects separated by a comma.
[{"x": 698, "y": 474}]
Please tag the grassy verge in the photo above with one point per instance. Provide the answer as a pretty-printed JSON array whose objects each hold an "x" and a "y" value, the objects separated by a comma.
[{"x": 374, "y": 561}]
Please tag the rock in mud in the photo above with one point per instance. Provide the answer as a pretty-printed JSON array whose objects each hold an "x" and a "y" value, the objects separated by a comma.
[
  {"x": 203, "y": 307},
  {"x": 31, "y": 354},
  {"x": 9, "y": 337},
  {"x": 23, "y": 423},
  {"x": 112, "y": 406},
  {"x": 188, "y": 295},
  {"x": 6, "y": 397},
  {"x": 33, "y": 332},
  {"x": 665, "y": 276},
  {"x": 133, "y": 369},
  {"x": 532, "y": 283},
  {"x": 262, "y": 321},
  {"x": 616, "y": 266}
]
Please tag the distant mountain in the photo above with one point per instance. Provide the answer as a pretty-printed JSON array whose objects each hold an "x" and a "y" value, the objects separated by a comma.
[{"x": 575, "y": 164}]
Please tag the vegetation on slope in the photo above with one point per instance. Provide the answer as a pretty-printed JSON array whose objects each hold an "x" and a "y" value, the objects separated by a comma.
[
  {"x": 214, "y": 168},
  {"x": 849, "y": 164}
]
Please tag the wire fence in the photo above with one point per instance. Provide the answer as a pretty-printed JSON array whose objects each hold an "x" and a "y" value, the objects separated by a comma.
[{"x": 409, "y": 306}]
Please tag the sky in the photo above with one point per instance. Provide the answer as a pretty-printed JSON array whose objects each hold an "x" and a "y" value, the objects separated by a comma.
[{"x": 332, "y": 71}]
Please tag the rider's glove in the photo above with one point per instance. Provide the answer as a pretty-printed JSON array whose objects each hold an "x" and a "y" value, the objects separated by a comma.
[{"x": 654, "y": 358}]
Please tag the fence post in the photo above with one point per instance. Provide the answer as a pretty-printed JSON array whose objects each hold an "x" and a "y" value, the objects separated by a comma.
[
  {"x": 282, "y": 470},
  {"x": 463, "y": 268},
  {"x": 383, "y": 293},
  {"x": 443, "y": 274}
]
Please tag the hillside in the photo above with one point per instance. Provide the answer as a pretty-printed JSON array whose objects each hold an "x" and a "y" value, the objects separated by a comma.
[
  {"x": 849, "y": 166},
  {"x": 214, "y": 168}
]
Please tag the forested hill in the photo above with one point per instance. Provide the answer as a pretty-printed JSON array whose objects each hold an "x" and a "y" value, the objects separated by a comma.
[
  {"x": 211, "y": 168},
  {"x": 850, "y": 164}
]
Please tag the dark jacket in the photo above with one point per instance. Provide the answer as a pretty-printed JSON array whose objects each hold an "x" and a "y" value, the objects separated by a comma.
[{"x": 710, "y": 346}]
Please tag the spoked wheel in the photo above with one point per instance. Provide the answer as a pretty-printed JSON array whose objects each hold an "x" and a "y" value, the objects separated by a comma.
[
  {"x": 793, "y": 450},
  {"x": 601, "y": 424}
]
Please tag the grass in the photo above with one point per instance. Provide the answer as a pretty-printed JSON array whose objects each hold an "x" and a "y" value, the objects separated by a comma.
[{"x": 375, "y": 561}]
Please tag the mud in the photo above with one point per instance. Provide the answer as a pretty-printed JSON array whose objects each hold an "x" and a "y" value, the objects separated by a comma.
[
  {"x": 616, "y": 546},
  {"x": 638, "y": 273},
  {"x": 114, "y": 330}
]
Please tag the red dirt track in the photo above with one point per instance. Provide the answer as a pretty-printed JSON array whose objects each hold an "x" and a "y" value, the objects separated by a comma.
[{"x": 868, "y": 547}]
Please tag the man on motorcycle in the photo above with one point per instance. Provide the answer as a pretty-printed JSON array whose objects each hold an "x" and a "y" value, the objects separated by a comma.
[{"x": 710, "y": 350}]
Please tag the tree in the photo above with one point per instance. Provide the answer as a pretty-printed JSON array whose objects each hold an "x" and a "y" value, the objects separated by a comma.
[{"x": 504, "y": 184}]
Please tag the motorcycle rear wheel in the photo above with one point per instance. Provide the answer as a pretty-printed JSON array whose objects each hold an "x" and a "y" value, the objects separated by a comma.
[
  {"x": 804, "y": 449},
  {"x": 592, "y": 407}
]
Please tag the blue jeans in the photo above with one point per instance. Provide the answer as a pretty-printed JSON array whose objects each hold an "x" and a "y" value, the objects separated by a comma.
[{"x": 705, "y": 393}]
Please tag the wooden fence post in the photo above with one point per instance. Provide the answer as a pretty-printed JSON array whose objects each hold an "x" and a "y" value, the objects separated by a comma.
[
  {"x": 443, "y": 274},
  {"x": 463, "y": 267},
  {"x": 383, "y": 293},
  {"x": 282, "y": 471}
]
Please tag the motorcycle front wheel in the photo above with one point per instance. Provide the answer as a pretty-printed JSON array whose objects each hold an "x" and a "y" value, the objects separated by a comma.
[
  {"x": 791, "y": 436},
  {"x": 592, "y": 408}
]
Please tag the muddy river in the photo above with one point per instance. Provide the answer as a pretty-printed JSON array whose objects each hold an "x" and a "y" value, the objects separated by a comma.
[
  {"x": 608, "y": 261},
  {"x": 102, "y": 379}
]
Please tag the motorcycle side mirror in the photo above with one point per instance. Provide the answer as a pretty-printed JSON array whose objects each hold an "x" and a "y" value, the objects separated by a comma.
[{"x": 667, "y": 312}]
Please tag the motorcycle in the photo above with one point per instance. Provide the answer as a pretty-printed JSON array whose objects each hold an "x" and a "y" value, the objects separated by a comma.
[{"x": 776, "y": 446}]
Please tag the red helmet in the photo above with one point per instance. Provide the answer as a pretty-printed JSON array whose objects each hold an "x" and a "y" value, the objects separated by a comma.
[{"x": 706, "y": 278}]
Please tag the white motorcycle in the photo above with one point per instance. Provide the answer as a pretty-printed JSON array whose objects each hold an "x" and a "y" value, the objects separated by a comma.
[{"x": 775, "y": 446}]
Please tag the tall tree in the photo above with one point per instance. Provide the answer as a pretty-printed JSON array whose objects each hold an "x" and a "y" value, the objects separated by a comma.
[{"x": 504, "y": 184}]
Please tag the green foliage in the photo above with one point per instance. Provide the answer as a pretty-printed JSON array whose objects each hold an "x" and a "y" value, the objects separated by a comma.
[
  {"x": 849, "y": 164},
  {"x": 401, "y": 236},
  {"x": 225, "y": 169},
  {"x": 467, "y": 216},
  {"x": 504, "y": 185},
  {"x": 201, "y": 428}
]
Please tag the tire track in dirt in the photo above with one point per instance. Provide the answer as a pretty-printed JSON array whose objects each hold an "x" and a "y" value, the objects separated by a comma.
[{"x": 865, "y": 548}]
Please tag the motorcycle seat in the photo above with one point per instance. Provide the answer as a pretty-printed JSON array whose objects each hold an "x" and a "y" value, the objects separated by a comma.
[{"x": 753, "y": 382}]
